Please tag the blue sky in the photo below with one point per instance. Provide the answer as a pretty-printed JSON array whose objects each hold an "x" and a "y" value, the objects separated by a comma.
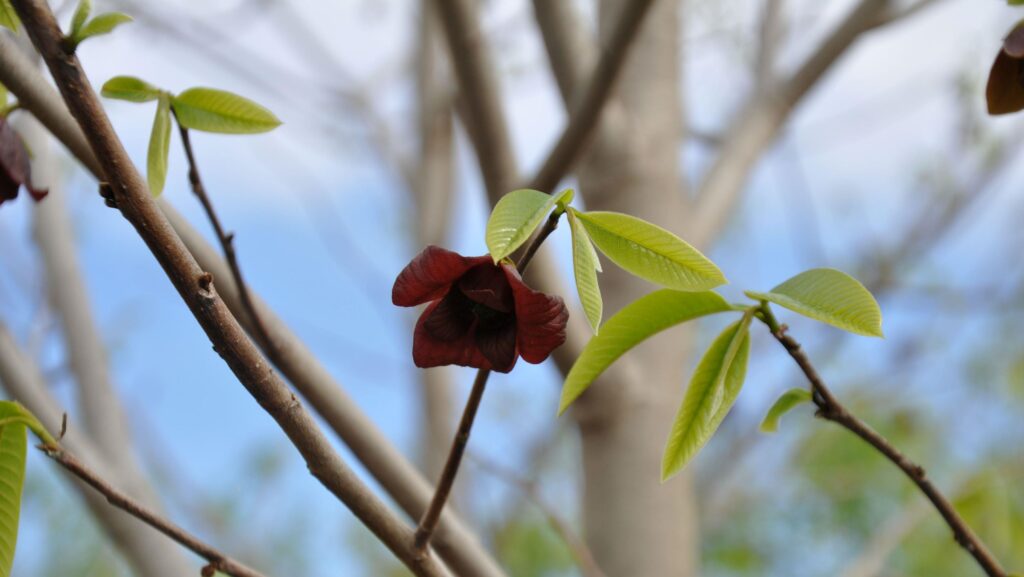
[{"x": 322, "y": 229}]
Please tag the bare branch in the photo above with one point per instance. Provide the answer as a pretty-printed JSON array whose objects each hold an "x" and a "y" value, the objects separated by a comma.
[
  {"x": 217, "y": 560},
  {"x": 769, "y": 38},
  {"x": 528, "y": 488},
  {"x": 453, "y": 541},
  {"x": 896, "y": 14},
  {"x": 760, "y": 121},
  {"x": 571, "y": 54},
  {"x": 480, "y": 95},
  {"x": 830, "y": 409},
  {"x": 143, "y": 548},
  {"x": 196, "y": 289}
]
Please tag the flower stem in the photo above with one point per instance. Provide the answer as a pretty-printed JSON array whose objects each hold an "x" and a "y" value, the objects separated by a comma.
[
  {"x": 451, "y": 467},
  {"x": 428, "y": 522}
]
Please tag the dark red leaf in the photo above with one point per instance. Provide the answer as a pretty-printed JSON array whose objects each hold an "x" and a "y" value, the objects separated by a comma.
[
  {"x": 540, "y": 319},
  {"x": 429, "y": 276},
  {"x": 1005, "y": 90}
]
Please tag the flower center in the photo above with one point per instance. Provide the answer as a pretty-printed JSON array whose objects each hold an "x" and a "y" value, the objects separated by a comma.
[{"x": 488, "y": 318}]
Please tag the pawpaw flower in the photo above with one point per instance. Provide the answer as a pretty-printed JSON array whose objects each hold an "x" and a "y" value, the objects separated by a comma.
[
  {"x": 1005, "y": 90},
  {"x": 14, "y": 166},
  {"x": 480, "y": 314}
]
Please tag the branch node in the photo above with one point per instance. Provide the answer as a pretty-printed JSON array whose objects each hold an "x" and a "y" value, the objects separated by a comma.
[{"x": 205, "y": 280}]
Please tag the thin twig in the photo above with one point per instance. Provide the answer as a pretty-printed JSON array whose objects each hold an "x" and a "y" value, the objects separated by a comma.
[
  {"x": 226, "y": 239},
  {"x": 217, "y": 560},
  {"x": 428, "y": 522},
  {"x": 451, "y": 467},
  {"x": 196, "y": 290},
  {"x": 528, "y": 488},
  {"x": 830, "y": 409}
]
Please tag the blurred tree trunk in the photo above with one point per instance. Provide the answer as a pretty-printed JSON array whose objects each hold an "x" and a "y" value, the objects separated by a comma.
[{"x": 634, "y": 524}]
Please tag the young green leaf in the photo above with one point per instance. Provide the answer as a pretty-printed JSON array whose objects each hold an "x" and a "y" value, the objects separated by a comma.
[
  {"x": 585, "y": 266},
  {"x": 211, "y": 110},
  {"x": 829, "y": 296},
  {"x": 516, "y": 216},
  {"x": 8, "y": 17},
  {"x": 651, "y": 252},
  {"x": 3, "y": 96},
  {"x": 636, "y": 322},
  {"x": 159, "y": 148},
  {"x": 785, "y": 403},
  {"x": 711, "y": 393},
  {"x": 130, "y": 88},
  {"x": 102, "y": 24},
  {"x": 13, "y": 445},
  {"x": 81, "y": 15}
]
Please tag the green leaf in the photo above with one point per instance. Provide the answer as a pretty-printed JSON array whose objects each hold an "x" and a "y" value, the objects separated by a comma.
[
  {"x": 130, "y": 88},
  {"x": 651, "y": 252},
  {"x": 829, "y": 296},
  {"x": 786, "y": 402},
  {"x": 13, "y": 446},
  {"x": 103, "y": 24},
  {"x": 636, "y": 322},
  {"x": 711, "y": 393},
  {"x": 159, "y": 148},
  {"x": 585, "y": 266},
  {"x": 3, "y": 96},
  {"x": 78, "y": 20},
  {"x": 8, "y": 17},
  {"x": 211, "y": 110},
  {"x": 516, "y": 216}
]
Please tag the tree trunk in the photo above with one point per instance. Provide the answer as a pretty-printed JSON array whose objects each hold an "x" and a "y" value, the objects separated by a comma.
[{"x": 634, "y": 524}]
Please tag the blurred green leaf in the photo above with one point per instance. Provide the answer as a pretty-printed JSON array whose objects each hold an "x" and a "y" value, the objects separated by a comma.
[
  {"x": 711, "y": 393},
  {"x": 529, "y": 548},
  {"x": 130, "y": 88},
  {"x": 516, "y": 216},
  {"x": 8, "y": 17},
  {"x": 651, "y": 252},
  {"x": 586, "y": 265},
  {"x": 211, "y": 110},
  {"x": 636, "y": 322},
  {"x": 81, "y": 15},
  {"x": 13, "y": 446},
  {"x": 103, "y": 24},
  {"x": 829, "y": 296},
  {"x": 159, "y": 147},
  {"x": 785, "y": 403},
  {"x": 3, "y": 96}
]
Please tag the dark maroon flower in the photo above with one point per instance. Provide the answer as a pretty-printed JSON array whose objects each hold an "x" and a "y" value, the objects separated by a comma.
[
  {"x": 1005, "y": 90},
  {"x": 14, "y": 165},
  {"x": 480, "y": 314}
]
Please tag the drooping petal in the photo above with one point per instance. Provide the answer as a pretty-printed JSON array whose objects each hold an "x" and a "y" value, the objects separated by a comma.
[
  {"x": 540, "y": 319},
  {"x": 429, "y": 276},
  {"x": 486, "y": 284},
  {"x": 498, "y": 345},
  {"x": 14, "y": 164},
  {"x": 430, "y": 351},
  {"x": 451, "y": 318}
]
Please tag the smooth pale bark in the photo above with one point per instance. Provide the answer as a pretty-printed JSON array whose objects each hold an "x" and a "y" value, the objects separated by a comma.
[
  {"x": 435, "y": 180},
  {"x": 634, "y": 524}
]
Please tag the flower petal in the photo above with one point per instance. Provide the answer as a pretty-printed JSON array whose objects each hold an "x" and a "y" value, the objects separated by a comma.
[
  {"x": 498, "y": 344},
  {"x": 486, "y": 284},
  {"x": 429, "y": 351},
  {"x": 540, "y": 319},
  {"x": 430, "y": 274},
  {"x": 451, "y": 318}
]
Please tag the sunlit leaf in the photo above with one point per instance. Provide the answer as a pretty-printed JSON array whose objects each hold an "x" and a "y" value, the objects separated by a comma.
[
  {"x": 586, "y": 265},
  {"x": 211, "y": 110},
  {"x": 636, "y": 322},
  {"x": 130, "y": 88},
  {"x": 651, "y": 252},
  {"x": 8, "y": 17},
  {"x": 13, "y": 445},
  {"x": 159, "y": 148},
  {"x": 785, "y": 403},
  {"x": 81, "y": 15},
  {"x": 516, "y": 216},
  {"x": 711, "y": 393},
  {"x": 103, "y": 24},
  {"x": 829, "y": 296}
]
